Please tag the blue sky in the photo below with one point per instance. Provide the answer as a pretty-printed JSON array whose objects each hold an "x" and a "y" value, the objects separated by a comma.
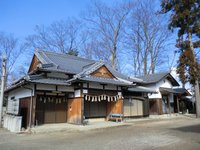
[{"x": 20, "y": 16}]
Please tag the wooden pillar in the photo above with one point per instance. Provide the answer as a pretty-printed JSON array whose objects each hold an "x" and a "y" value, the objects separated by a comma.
[
  {"x": 177, "y": 101},
  {"x": 33, "y": 111},
  {"x": 169, "y": 107},
  {"x": 158, "y": 106}
]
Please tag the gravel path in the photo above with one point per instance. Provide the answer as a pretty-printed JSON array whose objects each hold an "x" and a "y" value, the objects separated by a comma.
[{"x": 182, "y": 133}]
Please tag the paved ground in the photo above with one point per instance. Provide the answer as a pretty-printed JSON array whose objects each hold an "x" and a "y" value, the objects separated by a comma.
[{"x": 176, "y": 133}]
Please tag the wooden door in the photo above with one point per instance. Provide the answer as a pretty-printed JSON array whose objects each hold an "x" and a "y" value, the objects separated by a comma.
[
  {"x": 139, "y": 108},
  {"x": 133, "y": 107},
  {"x": 95, "y": 109},
  {"x": 127, "y": 108},
  {"x": 23, "y": 113},
  {"x": 50, "y": 115},
  {"x": 39, "y": 112},
  {"x": 61, "y": 110}
]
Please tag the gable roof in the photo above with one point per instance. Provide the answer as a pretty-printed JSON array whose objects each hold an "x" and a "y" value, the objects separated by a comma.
[
  {"x": 80, "y": 68},
  {"x": 182, "y": 91},
  {"x": 75, "y": 65},
  {"x": 154, "y": 78},
  {"x": 62, "y": 62}
]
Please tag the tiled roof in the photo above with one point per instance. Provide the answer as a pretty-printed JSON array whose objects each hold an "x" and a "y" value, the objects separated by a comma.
[
  {"x": 75, "y": 65},
  {"x": 68, "y": 63},
  {"x": 101, "y": 80},
  {"x": 169, "y": 90},
  {"x": 182, "y": 91},
  {"x": 141, "y": 89},
  {"x": 153, "y": 78},
  {"x": 51, "y": 81}
]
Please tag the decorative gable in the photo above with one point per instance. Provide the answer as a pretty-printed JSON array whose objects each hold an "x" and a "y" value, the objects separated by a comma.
[
  {"x": 34, "y": 63},
  {"x": 103, "y": 72}
]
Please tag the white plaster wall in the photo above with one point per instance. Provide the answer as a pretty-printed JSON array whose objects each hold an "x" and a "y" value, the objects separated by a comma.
[
  {"x": 77, "y": 93},
  {"x": 163, "y": 83},
  {"x": 20, "y": 93}
]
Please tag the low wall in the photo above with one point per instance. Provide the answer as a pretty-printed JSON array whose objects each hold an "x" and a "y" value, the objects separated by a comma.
[{"x": 12, "y": 123}]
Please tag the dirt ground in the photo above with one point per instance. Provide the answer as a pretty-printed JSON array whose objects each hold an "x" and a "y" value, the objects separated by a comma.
[{"x": 180, "y": 133}]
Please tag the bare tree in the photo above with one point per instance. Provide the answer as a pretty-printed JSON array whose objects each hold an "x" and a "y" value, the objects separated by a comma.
[
  {"x": 60, "y": 36},
  {"x": 107, "y": 23},
  {"x": 147, "y": 37},
  {"x": 10, "y": 47}
]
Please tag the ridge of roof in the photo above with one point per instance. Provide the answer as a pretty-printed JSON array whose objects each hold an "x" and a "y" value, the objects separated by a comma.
[{"x": 65, "y": 55}]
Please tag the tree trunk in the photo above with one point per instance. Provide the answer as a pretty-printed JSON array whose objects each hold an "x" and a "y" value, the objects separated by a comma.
[
  {"x": 196, "y": 85},
  {"x": 152, "y": 68},
  {"x": 113, "y": 59},
  {"x": 145, "y": 66},
  {"x": 197, "y": 98}
]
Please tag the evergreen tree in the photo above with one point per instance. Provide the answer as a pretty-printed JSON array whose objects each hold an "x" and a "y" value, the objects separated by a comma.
[{"x": 185, "y": 16}]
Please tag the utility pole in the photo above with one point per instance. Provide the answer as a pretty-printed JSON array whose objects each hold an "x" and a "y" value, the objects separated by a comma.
[{"x": 2, "y": 87}]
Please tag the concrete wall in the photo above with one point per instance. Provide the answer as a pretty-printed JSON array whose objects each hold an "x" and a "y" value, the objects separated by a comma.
[{"x": 12, "y": 123}]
